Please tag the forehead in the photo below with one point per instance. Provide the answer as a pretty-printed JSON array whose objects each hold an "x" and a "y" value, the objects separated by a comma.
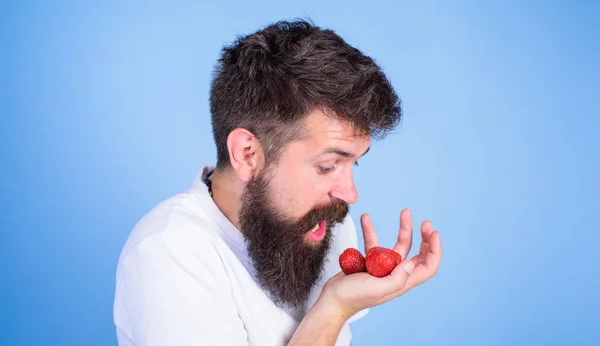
[{"x": 323, "y": 131}]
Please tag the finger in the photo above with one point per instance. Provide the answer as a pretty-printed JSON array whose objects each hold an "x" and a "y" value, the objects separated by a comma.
[
  {"x": 396, "y": 283},
  {"x": 424, "y": 267},
  {"x": 426, "y": 231},
  {"x": 405, "y": 234},
  {"x": 369, "y": 234},
  {"x": 434, "y": 255},
  {"x": 430, "y": 261}
]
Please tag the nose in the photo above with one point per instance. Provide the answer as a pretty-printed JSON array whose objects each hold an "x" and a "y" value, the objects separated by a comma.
[{"x": 345, "y": 190}]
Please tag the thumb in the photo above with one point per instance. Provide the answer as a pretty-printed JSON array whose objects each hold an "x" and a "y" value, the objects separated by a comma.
[
  {"x": 399, "y": 276},
  {"x": 407, "y": 266}
]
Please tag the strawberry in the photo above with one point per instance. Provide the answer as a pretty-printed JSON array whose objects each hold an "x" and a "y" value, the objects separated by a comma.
[
  {"x": 352, "y": 261},
  {"x": 381, "y": 261}
]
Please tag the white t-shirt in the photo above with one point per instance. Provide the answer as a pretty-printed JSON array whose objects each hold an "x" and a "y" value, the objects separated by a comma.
[{"x": 185, "y": 278}]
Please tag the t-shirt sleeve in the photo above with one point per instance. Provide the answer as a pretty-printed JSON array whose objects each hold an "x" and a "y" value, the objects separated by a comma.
[{"x": 171, "y": 295}]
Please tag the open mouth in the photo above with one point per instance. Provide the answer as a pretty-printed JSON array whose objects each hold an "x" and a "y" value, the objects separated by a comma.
[{"x": 318, "y": 232}]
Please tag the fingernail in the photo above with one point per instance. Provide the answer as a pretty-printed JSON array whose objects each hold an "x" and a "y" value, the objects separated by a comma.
[{"x": 408, "y": 266}]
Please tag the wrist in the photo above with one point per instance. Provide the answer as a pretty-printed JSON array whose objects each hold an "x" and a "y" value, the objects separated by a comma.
[
  {"x": 320, "y": 326},
  {"x": 328, "y": 305}
]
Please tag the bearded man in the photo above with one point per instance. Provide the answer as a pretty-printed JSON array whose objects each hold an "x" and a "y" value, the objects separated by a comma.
[{"x": 249, "y": 254}]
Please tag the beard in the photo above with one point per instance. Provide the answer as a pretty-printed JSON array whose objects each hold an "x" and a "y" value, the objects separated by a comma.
[{"x": 287, "y": 267}]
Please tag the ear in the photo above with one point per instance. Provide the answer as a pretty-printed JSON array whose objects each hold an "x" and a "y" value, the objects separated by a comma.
[{"x": 245, "y": 153}]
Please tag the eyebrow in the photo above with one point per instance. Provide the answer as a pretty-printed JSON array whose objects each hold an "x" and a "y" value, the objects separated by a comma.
[{"x": 334, "y": 150}]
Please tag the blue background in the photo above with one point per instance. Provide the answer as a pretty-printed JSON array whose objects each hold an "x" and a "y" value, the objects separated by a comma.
[{"x": 105, "y": 113}]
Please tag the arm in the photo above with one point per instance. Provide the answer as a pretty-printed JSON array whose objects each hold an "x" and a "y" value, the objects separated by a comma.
[
  {"x": 320, "y": 326},
  {"x": 344, "y": 295},
  {"x": 319, "y": 319}
]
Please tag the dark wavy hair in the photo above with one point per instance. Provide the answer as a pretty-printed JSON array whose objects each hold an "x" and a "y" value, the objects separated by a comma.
[{"x": 268, "y": 81}]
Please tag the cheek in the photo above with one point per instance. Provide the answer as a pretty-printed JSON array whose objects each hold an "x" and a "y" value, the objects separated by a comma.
[{"x": 298, "y": 191}]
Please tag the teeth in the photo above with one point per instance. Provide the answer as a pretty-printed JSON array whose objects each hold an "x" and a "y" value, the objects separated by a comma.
[{"x": 315, "y": 228}]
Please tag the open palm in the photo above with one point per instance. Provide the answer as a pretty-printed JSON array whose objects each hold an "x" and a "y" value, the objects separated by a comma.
[{"x": 362, "y": 290}]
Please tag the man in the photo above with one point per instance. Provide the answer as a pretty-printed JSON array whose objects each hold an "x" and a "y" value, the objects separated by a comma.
[{"x": 249, "y": 254}]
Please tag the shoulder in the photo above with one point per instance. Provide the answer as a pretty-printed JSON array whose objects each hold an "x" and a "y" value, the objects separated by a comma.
[
  {"x": 171, "y": 275},
  {"x": 177, "y": 229}
]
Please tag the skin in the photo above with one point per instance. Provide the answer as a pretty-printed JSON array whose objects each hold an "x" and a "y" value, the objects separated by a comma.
[
  {"x": 307, "y": 173},
  {"x": 311, "y": 172}
]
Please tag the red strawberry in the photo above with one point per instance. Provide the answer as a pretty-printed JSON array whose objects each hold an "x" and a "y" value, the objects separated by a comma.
[
  {"x": 352, "y": 261},
  {"x": 381, "y": 261}
]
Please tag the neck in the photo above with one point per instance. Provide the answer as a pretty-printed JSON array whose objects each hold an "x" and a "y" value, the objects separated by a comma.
[{"x": 227, "y": 194}]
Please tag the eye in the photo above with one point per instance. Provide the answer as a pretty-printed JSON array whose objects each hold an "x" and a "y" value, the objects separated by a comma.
[
  {"x": 325, "y": 170},
  {"x": 356, "y": 163}
]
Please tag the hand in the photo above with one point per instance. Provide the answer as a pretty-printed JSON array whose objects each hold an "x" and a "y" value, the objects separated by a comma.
[{"x": 355, "y": 292}]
